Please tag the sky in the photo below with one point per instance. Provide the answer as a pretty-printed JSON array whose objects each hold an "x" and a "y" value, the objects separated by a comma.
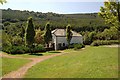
[{"x": 56, "y": 6}]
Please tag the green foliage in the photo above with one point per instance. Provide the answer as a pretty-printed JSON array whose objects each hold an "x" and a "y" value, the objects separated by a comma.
[
  {"x": 47, "y": 33},
  {"x": 89, "y": 38},
  {"x": 68, "y": 34},
  {"x": 6, "y": 40},
  {"x": 22, "y": 33},
  {"x": 108, "y": 34},
  {"x": 39, "y": 48},
  {"x": 22, "y": 49},
  {"x": 104, "y": 42},
  {"x": 13, "y": 29},
  {"x": 39, "y": 37},
  {"x": 83, "y": 23},
  {"x": 16, "y": 49},
  {"x": 2, "y": 1},
  {"x": 17, "y": 40},
  {"x": 110, "y": 12},
  {"x": 6, "y": 23},
  {"x": 30, "y": 32},
  {"x": 78, "y": 46},
  {"x": 86, "y": 39},
  {"x": 80, "y": 22}
]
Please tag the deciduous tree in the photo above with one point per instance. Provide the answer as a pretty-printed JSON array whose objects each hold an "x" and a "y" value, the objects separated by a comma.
[
  {"x": 3, "y": 1},
  {"x": 22, "y": 33},
  {"x": 39, "y": 37},
  {"x": 111, "y": 12}
]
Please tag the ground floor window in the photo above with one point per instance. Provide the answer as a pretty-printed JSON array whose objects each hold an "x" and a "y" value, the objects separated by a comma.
[
  {"x": 59, "y": 44},
  {"x": 63, "y": 44}
]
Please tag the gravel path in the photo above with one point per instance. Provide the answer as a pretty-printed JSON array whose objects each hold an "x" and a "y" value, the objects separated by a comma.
[
  {"x": 112, "y": 45},
  {"x": 21, "y": 71}
]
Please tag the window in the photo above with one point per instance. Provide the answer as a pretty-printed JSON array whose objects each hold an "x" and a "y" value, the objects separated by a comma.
[
  {"x": 63, "y": 44},
  {"x": 59, "y": 44}
]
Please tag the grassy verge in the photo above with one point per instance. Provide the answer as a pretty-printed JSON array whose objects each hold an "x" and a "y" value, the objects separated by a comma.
[
  {"x": 10, "y": 64},
  {"x": 91, "y": 62}
]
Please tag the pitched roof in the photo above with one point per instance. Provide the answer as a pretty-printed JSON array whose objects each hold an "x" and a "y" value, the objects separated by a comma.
[{"x": 62, "y": 32}]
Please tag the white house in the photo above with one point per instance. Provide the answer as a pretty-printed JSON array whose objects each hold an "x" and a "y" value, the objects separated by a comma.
[{"x": 59, "y": 38}]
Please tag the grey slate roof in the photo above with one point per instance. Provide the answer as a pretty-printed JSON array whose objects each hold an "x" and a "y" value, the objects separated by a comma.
[{"x": 62, "y": 32}]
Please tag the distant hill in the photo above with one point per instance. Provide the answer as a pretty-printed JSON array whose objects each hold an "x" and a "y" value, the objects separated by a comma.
[
  {"x": 83, "y": 15},
  {"x": 57, "y": 20}
]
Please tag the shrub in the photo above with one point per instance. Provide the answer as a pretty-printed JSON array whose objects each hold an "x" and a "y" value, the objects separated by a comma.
[
  {"x": 26, "y": 49},
  {"x": 95, "y": 43},
  {"x": 16, "y": 49},
  {"x": 86, "y": 39},
  {"x": 6, "y": 40},
  {"x": 38, "y": 37},
  {"x": 71, "y": 46},
  {"x": 6, "y": 23},
  {"x": 78, "y": 46},
  {"x": 39, "y": 48},
  {"x": 89, "y": 38},
  {"x": 104, "y": 42},
  {"x": 108, "y": 34},
  {"x": 6, "y": 49},
  {"x": 23, "y": 49},
  {"x": 17, "y": 41}
]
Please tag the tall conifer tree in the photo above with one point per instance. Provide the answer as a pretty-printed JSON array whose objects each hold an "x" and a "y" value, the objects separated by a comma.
[
  {"x": 68, "y": 34},
  {"x": 30, "y": 32},
  {"x": 47, "y": 34}
]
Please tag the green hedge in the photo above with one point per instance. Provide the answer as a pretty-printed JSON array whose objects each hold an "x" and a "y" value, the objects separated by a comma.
[
  {"x": 104, "y": 42},
  {"x": 16, "y": 49},
  {"x": 78, "y": 46},
  {"x": 23, "y": 49},
  {"x": 39, "y": 48}
]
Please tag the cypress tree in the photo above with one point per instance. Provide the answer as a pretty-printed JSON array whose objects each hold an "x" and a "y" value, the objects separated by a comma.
[
  {"x": 30, "y": 33},
  {"x": 68, "y": 34},
  {"x": 47, "y": 34}
]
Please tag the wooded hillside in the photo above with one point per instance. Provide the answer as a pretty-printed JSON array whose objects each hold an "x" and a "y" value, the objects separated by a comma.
[
  {"x": 93, "y": 29},
  {"x": 79, "y": 22}
]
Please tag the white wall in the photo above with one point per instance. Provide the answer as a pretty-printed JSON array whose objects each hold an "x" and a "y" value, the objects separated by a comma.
[
  {"x": 61, "y": 40},
  {"x": 57, "y": 40},
  {"x": 53, "y": 38},
  {"x": 78, "y": 39}
]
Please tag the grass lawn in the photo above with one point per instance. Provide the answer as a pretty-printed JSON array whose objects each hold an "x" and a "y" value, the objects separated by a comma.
[
  {"x": 10, "y": 64},
  {"x": 91, "y": 62},
  {"x": 27, "y": 55}
]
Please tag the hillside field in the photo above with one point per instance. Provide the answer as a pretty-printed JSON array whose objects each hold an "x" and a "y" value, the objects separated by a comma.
[{"x": 91, "y": 62}]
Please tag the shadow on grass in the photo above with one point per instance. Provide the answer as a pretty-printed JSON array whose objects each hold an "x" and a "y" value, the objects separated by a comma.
[
  {"x": 54, "y": 52},
  {"x": 16, "y": 54},
  {"x": 36, "y": 54},
  {"x": 39, "y": 54}
]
